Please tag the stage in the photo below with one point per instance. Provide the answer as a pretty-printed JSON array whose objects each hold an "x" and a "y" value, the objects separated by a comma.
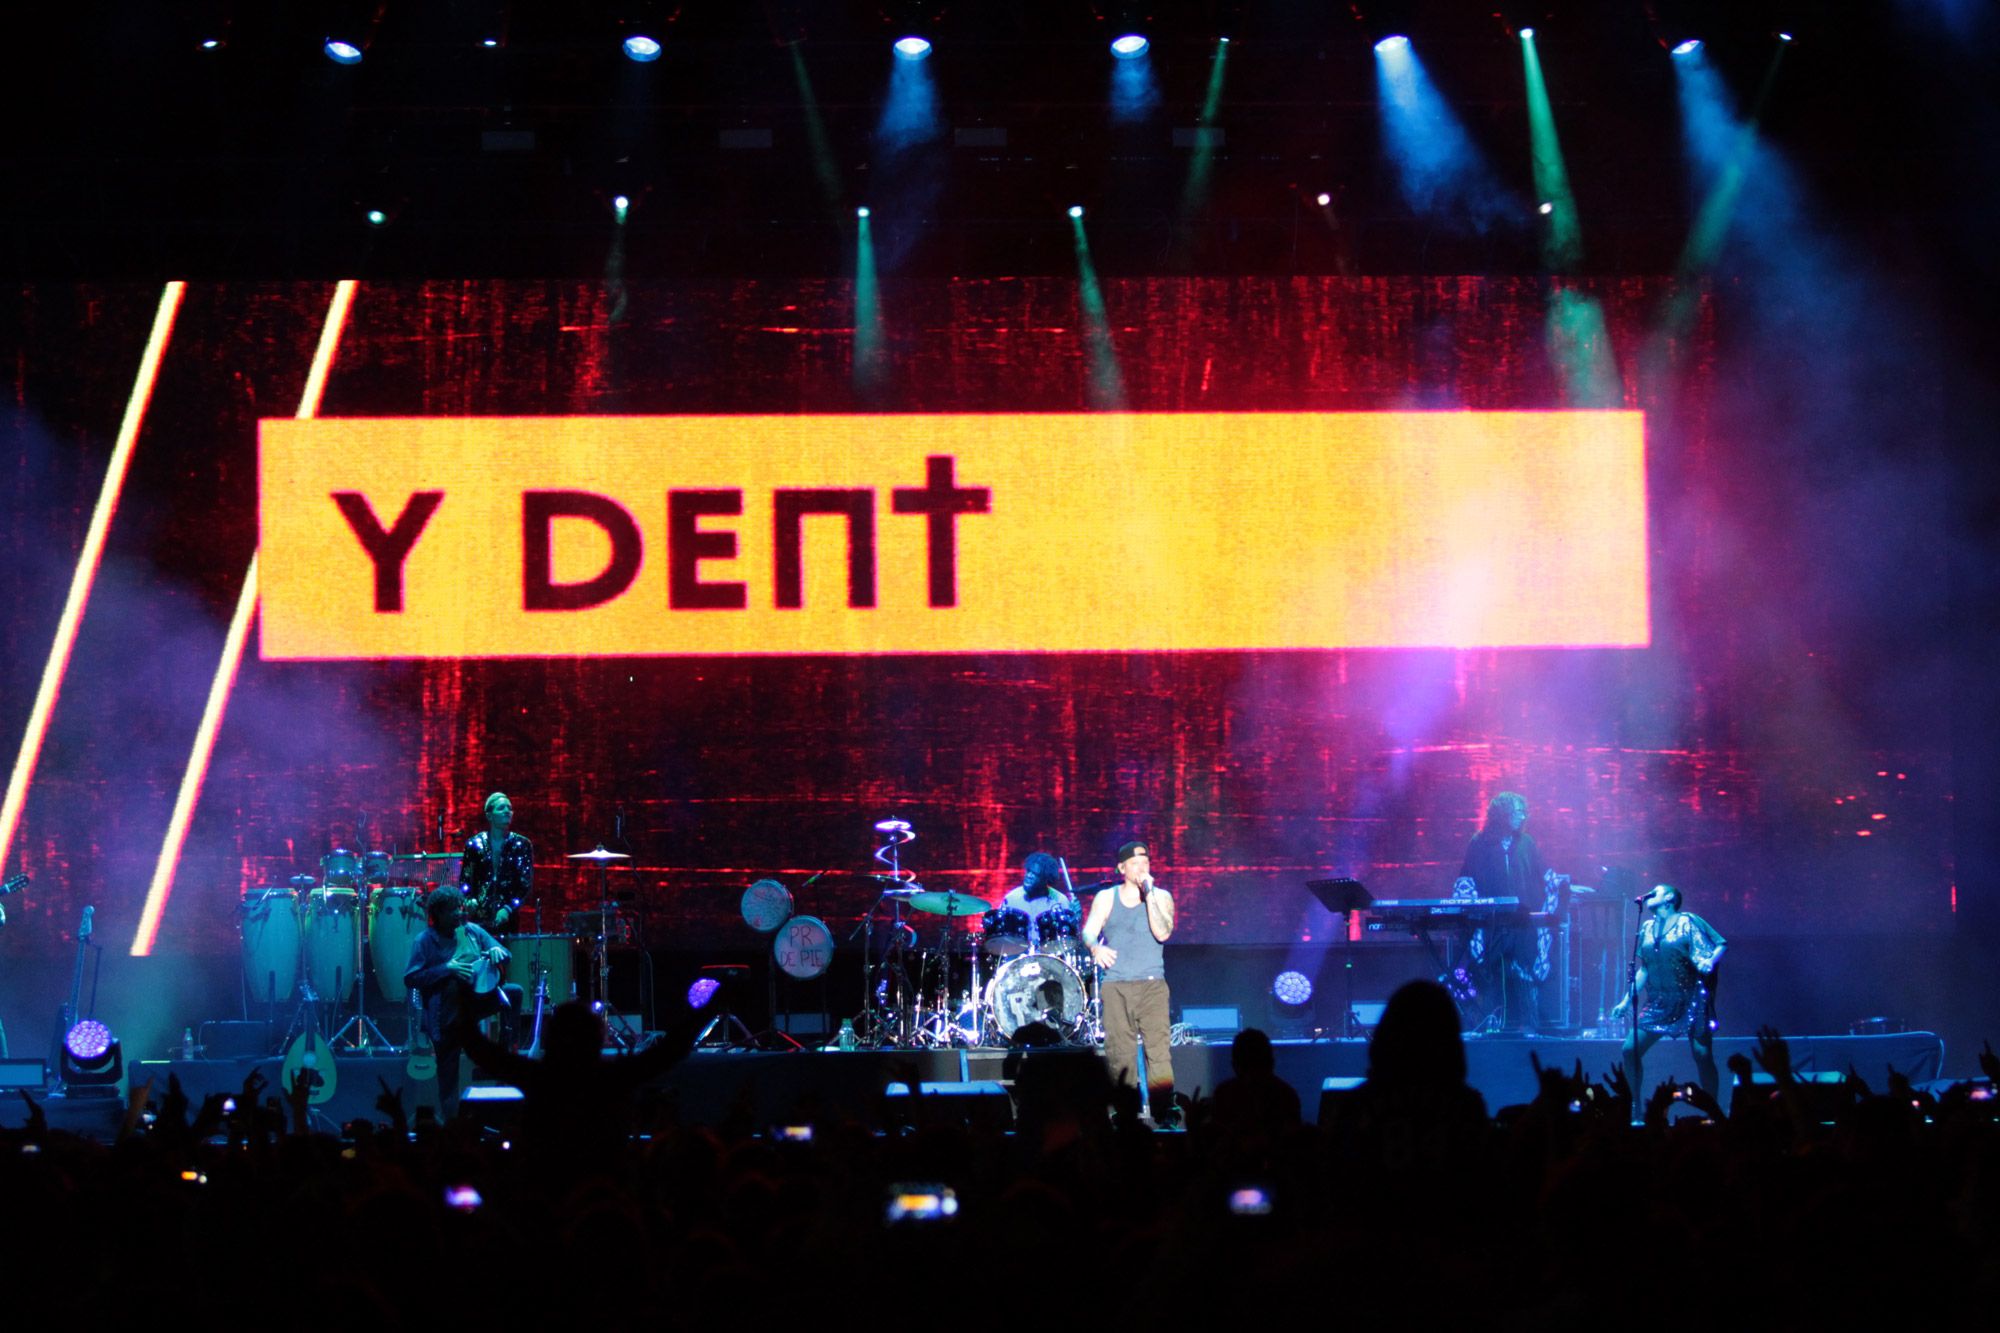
[{"x": 769, "y": 1089}]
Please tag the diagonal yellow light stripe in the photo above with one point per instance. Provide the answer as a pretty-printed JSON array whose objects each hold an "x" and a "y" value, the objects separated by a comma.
[
  {"x": 87, "y": 562},
  {"x": 162, "y": 886}
]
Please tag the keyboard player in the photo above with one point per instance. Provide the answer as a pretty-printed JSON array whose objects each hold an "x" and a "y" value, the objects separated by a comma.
[{"x": 1511, "y": 958}]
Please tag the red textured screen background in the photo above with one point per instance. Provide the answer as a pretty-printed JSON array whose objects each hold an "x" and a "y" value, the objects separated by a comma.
[{"x": 1748, "y": 752}]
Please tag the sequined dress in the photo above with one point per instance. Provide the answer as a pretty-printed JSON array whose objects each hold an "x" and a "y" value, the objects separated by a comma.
[{"x": 1676, "y": 996}]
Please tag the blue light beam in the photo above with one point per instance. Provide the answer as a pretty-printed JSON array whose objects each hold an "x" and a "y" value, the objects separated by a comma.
[{"x": 1439, "y": 170}]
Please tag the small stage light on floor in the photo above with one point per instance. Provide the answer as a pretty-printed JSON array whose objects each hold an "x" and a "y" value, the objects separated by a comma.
[
  {"x": 641, "y": 49},
  {"x": 376, "y": 217},
  {"x": 342, "y": 52},
  {"x": 1688, "y": 47},
  {"x": 1527, "y": 34},
  {"x": 1130, "y": 46},
  {"x": 1392, "y": 44},
  {"x": 912, "y": 48},
  {"x": 621, "y": 205},
  {"x": 1291, "y": 1011},
  {"x": 861, "y": 212},
  {"x": 92, "y": 1060},
  {"x": 1076, "y": 210}
]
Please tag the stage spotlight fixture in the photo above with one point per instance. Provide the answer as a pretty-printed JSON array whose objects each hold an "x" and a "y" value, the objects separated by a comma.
[
  {"x": 342, "y": 52},
  {"x": 377, "y": 218},
  {"x": 861, "y": 212},
  {"x": 1393, "y": 42},
  {"x": 489, "y": 42},
  {"x": 1784, "y": 37},
  {"x": 1292, "y": 988},
  {"x": 92, "y": 1061},
  {"x": 1688, "y": 47},
  {"x": 620, "y": 206},
  {"x": 211, "y": 43},
  {"x": 1527, "y": 34},
  {"x": 1132, "y": 45},
  {"x": 1323, "y": 199},
  {"x": 1545, "y": 208},
  {"x": 912, "y": 48},
  {"x": 641, "y": 48},
  {"x": 1076, "y": 210}
]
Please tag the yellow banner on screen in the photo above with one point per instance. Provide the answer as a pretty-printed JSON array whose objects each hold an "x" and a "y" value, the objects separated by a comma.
[{"x": 1235, "y": 531}]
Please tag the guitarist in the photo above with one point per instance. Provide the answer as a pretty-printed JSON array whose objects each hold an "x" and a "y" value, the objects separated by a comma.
[
  {"x": 1678, "y": 956},
  {"x": 497, "y": 869},
  {"x": 454, "y": 968}
]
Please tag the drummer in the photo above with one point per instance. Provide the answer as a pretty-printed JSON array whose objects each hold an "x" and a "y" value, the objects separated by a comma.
[
  {"x": 497, "y": 869},
  {"x": 1037, "y": 895}
]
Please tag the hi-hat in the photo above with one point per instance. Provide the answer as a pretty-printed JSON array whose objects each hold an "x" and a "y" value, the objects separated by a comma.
[
  {"x": 597, "y": 853},
  {"x": 950, "y": 904}
]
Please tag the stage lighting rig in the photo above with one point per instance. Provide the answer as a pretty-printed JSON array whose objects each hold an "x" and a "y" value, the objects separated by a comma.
[{"x": 93, "y": 1060}]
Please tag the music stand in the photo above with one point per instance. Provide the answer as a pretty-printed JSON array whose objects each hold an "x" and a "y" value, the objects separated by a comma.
[{"x": 1343, "y": 897}]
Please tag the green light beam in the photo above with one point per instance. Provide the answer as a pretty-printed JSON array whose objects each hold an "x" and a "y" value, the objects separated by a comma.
[
  {"x": 868, "y": 358},
  {"x": 1562, "y": 236},
  {"x": 1201, "y": 165},
  {"x": 1107, "y": 384},
  {"x": 825, "y": 168}
]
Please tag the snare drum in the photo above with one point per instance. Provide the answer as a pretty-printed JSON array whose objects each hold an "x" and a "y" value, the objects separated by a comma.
[
  {"x": 271, "y": 945},
  {"x": 340, "y": 869},
  {"x": 554, "y": 955},
  {"x": 803, "y": 947},
  {"x": 395, "y": 919},
  {"x": 332, "y": 920},
  {"x": 1035, "y": 988}
]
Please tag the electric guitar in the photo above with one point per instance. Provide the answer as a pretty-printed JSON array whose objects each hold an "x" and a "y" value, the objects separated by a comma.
[
  {"x": 14, "y": 884},
  {"x": 66, "y": 1018}
]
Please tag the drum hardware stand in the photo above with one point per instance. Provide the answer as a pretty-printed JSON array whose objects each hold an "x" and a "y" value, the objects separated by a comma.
[
  {"x": 600, "y": 947},
  {"x": 735, "y": 1034},
  {"x": 362, "y": 1026}
]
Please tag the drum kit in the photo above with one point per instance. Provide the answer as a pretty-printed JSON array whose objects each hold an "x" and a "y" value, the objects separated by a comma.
[{"x": 1044, "y": 988}]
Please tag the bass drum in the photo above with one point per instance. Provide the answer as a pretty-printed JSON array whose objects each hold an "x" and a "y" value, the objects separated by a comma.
[
  {"x": 1035, "y": 988},
  {"x": 553, "y": 955},
  {"x": 395, "y": 919},
  {"x": 271, "y": 945},
  {"x": 803, "y": 948},
  {"x": 332, "y": 917},
  {"x": 766, "y": 905}
]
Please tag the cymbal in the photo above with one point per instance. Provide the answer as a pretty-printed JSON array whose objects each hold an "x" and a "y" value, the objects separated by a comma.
[
  {"x": 951, "y": 904},
  {"x": 597, "y": 853}
]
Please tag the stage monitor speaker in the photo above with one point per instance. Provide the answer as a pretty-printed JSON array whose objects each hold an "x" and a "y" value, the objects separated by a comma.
[
  {"x": 1332, "y": 1091},
  {"x": 980, "y": 1102},
  {"x": 1212, "y": 1021},
  {"x": 22, "y": 1072}
]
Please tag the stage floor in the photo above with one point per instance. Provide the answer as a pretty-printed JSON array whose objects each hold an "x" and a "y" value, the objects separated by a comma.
[{"x": 800, "y": 1086}]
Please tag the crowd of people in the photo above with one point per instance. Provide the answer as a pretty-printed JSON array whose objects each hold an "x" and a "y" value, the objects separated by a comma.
[{"x": 1403, "y": 1199}]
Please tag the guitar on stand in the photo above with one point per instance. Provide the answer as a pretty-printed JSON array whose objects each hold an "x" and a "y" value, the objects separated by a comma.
[
  {"x": 66, "y": 1019},
  {"x": 13, "y": 885}
]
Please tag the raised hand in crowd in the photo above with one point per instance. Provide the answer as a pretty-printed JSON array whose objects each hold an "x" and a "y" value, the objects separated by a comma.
[
  {"x": 1660, "y": 1102},
  {"x": 1618, "y": 1092},
  {"x": 1774, "y": 1053}
]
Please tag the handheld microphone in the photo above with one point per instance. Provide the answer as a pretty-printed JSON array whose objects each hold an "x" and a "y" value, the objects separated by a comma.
[{"x": 1641, "y": 897}]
